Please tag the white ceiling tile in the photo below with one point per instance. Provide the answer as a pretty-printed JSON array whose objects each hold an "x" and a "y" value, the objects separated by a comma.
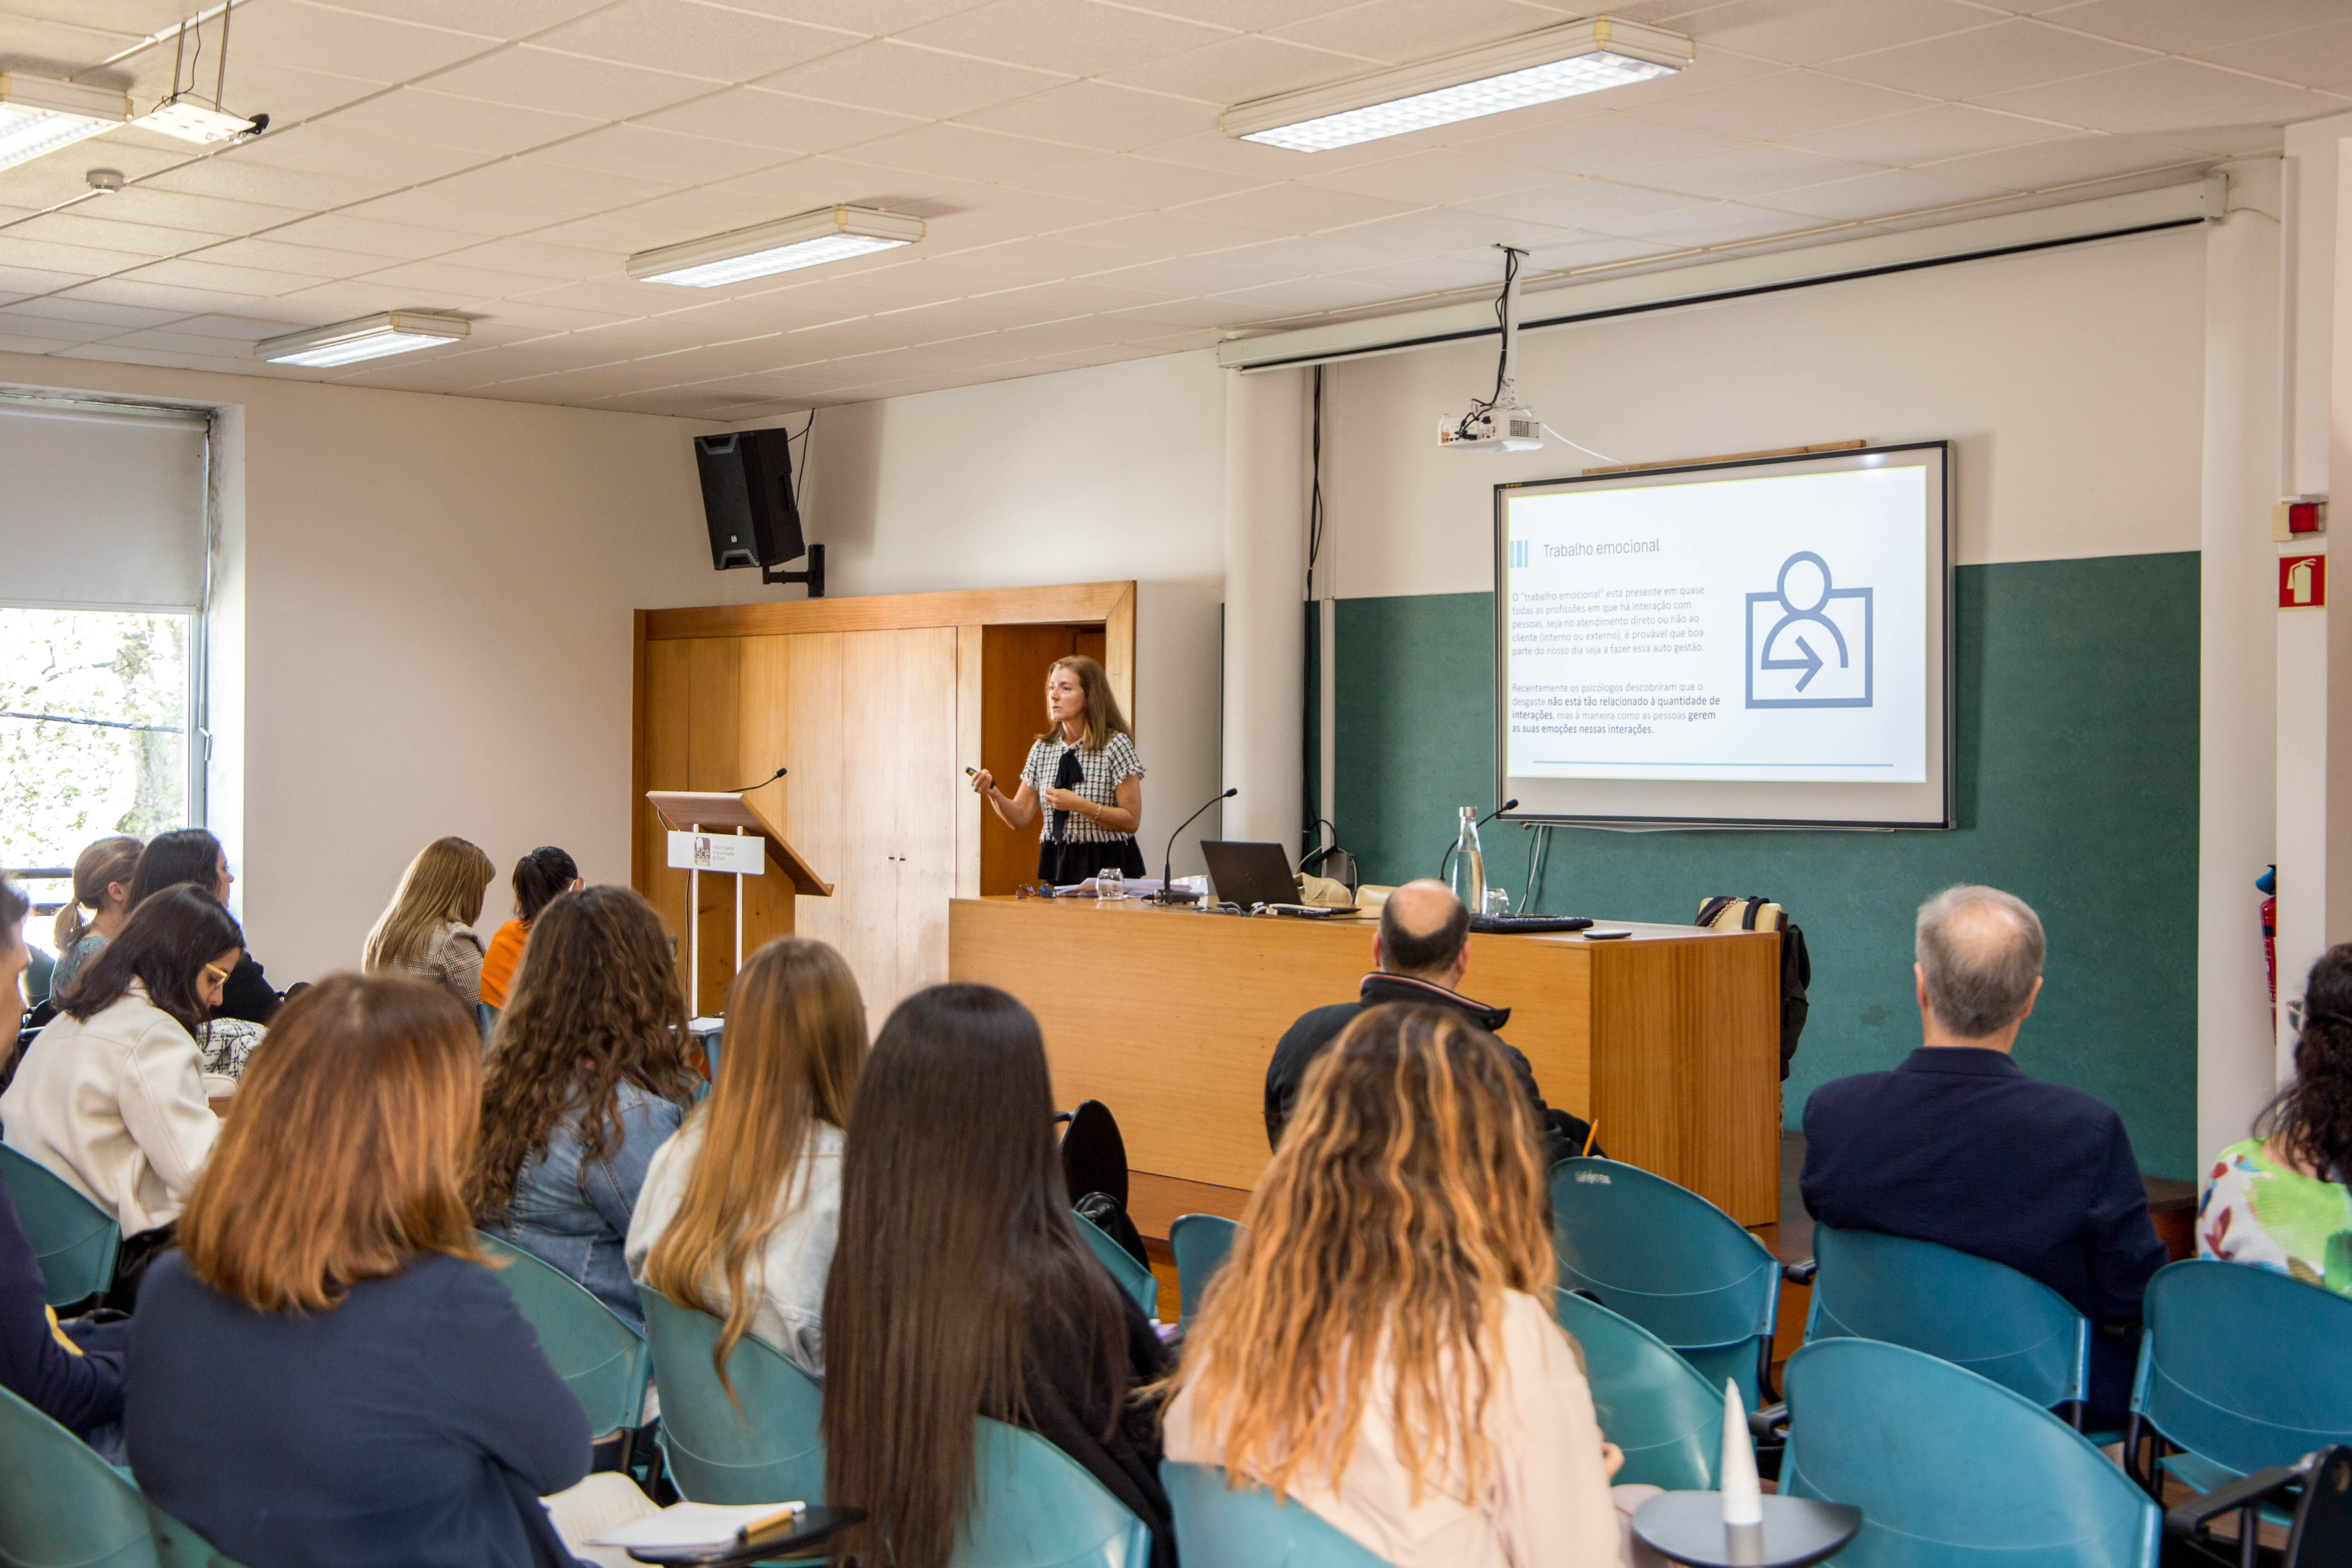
[
  {"x": 693, "y": 39},
  {"x": 236, "y": 329},
  {"x": 288, "y": 94},
  {"x": 1877, "y": 195},
  {"x": 1785, "y": 104},
  {"x": 1078, "y": 298},
  {"x": 955, "y": 317},
  {"x": 444, "y": 119},
  {"x": 762, "y": 119},
  {"x": 237, "y": 179},
  {"x": 335, "y": 147},
  {"x": 81, "y": 227},
  {"x": 540, "y": 258},
  {"x": 873, "y": 18},
  {"x": 530, "y": 315},
  {"x": 664, "y": 158},
  {"x": 495, "y": 18},
  {"x": 1096, "y": 114},
  {"x": 163, "y": 296},
  {"x": 321, "y": 38},
  {"x": 476, "y": 214},
  {"x": 1299, "y": 257},
  {"x": 1160, "y": 235},
  {"x": 2165, "y": 95},
  {"x": 1601, "y": 144},
  {"x": 1134, "y": 182},
  {"x": 1214, "y": 149},
  {"x": 54, "y": 331},
  {"x": 1822, "y": 30},
  {"x": 901, "y": 79},
  {"x": 116, "y": 318},
  {"x": 1237, "y": 69},
  {"x": 1397, "y": 32},
  {"x": 2227, "y": 140},
  {"x": 20, "y": 344},
  {"x": 57, "y": 256},
  {"x": 22, "y": 280},
  {"x": 2067, "y": 161},
  {"x": 963, "y": 152},
  {"x": 1437, "y": 231},
  {"x": 1924, "y": 135},
  {"x": 190, "y": 272},
  {"x": 2320, "y": 56},
  {"x": 1758, "y": 169},
  {"x": 809, "y": 182},
  {"x": 2186, "y": 26},
  {"x": 1072, "y": 38},
  {"x": 985, "y": 214},
  {"x": 1250, "y": 15},
  {"x": 1036, "y": 260},
  {"x": 1182, "y": 278},
  {"x": 1996, "y": 59},
  {"x": 566, "y": 84},
  {"x": 112, "y": 354},
  {"x": 1438, "y": 273},
  {"x": 343, "y": 300},
  {"x": 1294, "y": 208},
  {"x": 1586, "y": 252},
  {"x": 1712, "y": 69},
  {"x": 1432, "y": 177},
  {"x": 1304, "y": 296},
  {"x": 1580, "y": 203},
  {"x": 1725, "y": 224},
  {"x": 448, "y": 278},
  {"x": 369, "y": 236}
]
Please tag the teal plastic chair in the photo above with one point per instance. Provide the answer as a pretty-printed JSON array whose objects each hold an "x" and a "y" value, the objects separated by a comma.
[
  {"x": 1202, "y": 1242},
  {"x": 1674, "y": 1263},
  {"x": 1951, "y": 1469},
  {"x": 1965, "y": 1309},
  {"x": 1652, "y": 1404},
  {"x": 1132, "y": 1277},
  {"x": 75, "y": 1240},
  {"x": 2240, "y": 1369},
  {"x": 771, "y": 1451},
  {"x": 1035, "y": 1507},
  {"x": 605, "y": 1361},
  {"x": 1248, "y": 1529},
  {"x": 177, "y": 1546},
  {"x": 61, "y": 1506}
]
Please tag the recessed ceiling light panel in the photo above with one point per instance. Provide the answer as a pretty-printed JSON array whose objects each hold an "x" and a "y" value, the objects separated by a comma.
[
  {"x": 370, "y": 337},
  {"x": 1535, "y": 68},
  {"x": 811, "y": 239},
  {"x": 38, "y": 115}
]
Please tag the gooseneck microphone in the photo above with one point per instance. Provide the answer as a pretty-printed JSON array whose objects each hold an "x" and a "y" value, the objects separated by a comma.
[
  {"x": 1168, "y": 892},
  {"x": 772, "y": 777}
]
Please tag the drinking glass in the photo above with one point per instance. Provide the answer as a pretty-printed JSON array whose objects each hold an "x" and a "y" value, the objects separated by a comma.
[
  {"x": 1110, "y": 883},
  {"x": 1498, "y": 903}
]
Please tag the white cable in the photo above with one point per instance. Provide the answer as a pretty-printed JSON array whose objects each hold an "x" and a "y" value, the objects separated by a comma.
[{"x": 1578, "y": 445}]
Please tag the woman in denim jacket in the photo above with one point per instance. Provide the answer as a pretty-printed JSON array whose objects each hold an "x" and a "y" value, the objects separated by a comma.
[{"x": 587, "y": 1077}]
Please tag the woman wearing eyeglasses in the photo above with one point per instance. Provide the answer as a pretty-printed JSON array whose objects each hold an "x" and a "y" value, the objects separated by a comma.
[{"x": 110, "y": 1095}]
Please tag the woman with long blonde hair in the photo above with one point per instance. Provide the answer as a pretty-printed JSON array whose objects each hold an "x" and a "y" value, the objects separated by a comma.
[
  {"x": 1380, "y": 1345},
  {"x": 1084, "y": 770},
  {"x": 424, "y": 930},
  {"x": 739, "y": 1212},
  {"x": 101, "y": 884}
]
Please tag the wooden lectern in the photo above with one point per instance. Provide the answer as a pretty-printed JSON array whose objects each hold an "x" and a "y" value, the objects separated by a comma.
[{"x": 693, "y": 816}]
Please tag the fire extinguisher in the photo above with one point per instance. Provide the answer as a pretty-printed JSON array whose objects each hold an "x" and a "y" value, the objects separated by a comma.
[{"x": 2267, "y": 884}]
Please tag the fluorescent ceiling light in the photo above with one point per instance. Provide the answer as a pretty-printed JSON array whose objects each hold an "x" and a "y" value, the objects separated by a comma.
[
  {"x": 193, "y": 119},
  {"x": 37, "y": 115},
  {"x": 1535, "y": 68},
  {"x": 371, "y": 337},
  {"x": 828, "y": 234}
]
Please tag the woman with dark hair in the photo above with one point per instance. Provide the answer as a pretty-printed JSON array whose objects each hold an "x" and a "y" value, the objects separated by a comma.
[
  {"x": 960, "y": 1287},
  {"x": 587, "y": 1077},
  {"x": 110, "y": 1096},
  {"x": 2281, "y": 1200},
  {"x": 192, "y": 855},
  {"x": 540, "y": 879}
]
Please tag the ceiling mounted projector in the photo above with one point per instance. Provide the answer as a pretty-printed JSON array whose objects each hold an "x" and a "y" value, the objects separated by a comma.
[{"x": 1499, "y": 423}]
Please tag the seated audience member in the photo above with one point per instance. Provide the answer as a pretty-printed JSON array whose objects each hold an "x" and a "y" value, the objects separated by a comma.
[
  {"x": 325, "y": 1374},
  {"x": 960, "y": 1287},
  {"x": 2281, "y": 1200},
  {"x": 738, "y": 1211},
  {"x": 1959, "y": 1147},
  {"x": 1380, "y": 1345},
  {"x": 72, "y": 1375},
  {"x": 192, "y": 855},
  {"x": 424, "y": 931},
  {"x": 1421, "y": 954},
  {"x": 587, "y": 1077},
  {"x": 101, "y": 884},
  {"x": 539, "y": 878},
  {"x": 110, "y": 1095}
]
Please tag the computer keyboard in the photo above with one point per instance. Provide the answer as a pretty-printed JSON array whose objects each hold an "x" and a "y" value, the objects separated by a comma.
[{"x": 1523, "y": 925}]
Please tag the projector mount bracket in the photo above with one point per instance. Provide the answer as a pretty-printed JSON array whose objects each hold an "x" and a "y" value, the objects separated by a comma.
[{"x": 814, "y": 576}]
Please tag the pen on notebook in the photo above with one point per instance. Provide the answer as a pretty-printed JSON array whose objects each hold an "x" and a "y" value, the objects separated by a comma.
[{"x": 761, "y": 1526}]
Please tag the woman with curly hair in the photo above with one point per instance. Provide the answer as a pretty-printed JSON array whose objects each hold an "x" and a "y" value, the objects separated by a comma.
[
  {"x": 587, "y": 1077},
  {"x": 2281, "y": 1200},
  {"x": 1380, "y": 1345}
]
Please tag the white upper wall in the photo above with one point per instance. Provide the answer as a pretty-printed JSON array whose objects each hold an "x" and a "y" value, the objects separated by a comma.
[{"x": 2072, "y": 380}]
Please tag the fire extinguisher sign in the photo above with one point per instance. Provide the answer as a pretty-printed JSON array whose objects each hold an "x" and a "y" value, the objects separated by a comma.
[{"x": 2302, "y": 582}]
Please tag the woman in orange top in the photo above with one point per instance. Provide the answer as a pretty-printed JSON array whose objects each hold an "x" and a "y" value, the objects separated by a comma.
[{"x": 540, "y": 878}]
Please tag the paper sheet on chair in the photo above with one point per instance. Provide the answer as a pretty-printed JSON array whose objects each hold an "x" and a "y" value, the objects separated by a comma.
[{"x": 690, "y": 1524}]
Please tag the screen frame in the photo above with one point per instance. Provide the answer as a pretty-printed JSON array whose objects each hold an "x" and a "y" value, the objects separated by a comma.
[{"x": 1948, "y": 499}]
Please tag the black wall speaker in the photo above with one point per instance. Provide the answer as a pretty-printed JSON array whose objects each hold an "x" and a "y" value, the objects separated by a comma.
[{"x": 747, "y": 498}]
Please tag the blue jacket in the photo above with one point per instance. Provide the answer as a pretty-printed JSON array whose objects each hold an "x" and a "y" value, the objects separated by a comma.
[
  {"x": 573, "y": 1214},
  {"x": 80, "y": 1385},
  {"x": 413, "y": 1425}
]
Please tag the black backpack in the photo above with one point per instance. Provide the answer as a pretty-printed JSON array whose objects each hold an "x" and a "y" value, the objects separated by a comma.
[{"x": 1724, "y": 912}]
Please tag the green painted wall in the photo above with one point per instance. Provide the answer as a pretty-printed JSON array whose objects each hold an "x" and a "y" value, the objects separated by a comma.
[{"x": 2076, "y": 783}]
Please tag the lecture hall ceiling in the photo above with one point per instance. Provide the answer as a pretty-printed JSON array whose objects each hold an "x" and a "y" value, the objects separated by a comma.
[{"x": 499, "y": 159}]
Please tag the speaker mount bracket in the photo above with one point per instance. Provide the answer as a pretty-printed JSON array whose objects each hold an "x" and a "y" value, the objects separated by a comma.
[{"x": 814, "y": 576}]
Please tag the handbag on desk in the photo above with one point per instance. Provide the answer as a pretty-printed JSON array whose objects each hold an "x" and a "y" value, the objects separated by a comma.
[{"x": 1726, "y": 912}]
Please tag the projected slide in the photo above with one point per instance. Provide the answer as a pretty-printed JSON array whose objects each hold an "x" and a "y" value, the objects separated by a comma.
[{"x": 1729, "y": 627}]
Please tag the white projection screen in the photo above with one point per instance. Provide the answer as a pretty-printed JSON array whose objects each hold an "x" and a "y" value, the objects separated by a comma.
[{"x": 1764, "y": 643}]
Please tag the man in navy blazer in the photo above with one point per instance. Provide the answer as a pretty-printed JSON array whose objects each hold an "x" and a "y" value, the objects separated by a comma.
[{"x": 1959, "y": 1146}]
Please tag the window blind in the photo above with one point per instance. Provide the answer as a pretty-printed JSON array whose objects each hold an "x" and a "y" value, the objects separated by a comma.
[{"x": 101, "y": 508}]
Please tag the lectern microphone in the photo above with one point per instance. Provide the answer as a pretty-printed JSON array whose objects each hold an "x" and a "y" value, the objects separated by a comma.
[
  {"x": 780, "y": 773},
  {"x": 1170, "y": 893}
]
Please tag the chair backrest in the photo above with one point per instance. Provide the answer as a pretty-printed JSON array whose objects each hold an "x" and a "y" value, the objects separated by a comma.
[
  {"x": 1094, "y": 1155},
  {"x": 1652, "y": 1404},
  {"x": 770, "y": 1450},
  {"x": 1132, "y": 1277},
  {"x": 61, "y": 1506},
  {"x": 1668, "y": 1259},
  {"x": 1965, "y": 1309},
  {"x": 1952, "y": 1470},
  {"x": 605, "y": 1361},
  {"x": 177, "y": 1546},
  {"x": 75, "y": 1240},
  {"x": 2243, "y": 1367},
  {"x": 1035, "y": 1507},
  {"x": 1248, "y": 1529},
  {"x": 1202, "y": 1242}
]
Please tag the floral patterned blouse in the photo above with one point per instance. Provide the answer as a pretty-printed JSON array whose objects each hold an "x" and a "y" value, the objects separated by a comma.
[{"x": 2259, "y": 1212}]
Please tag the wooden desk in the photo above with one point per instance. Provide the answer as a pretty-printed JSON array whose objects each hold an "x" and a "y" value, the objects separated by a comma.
[{"x": 1169, "y": 1017}]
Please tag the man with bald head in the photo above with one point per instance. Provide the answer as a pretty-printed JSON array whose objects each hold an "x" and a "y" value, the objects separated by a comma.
[
  {"x": 1421, "y": 954},
  {"x": 1959, "y": 1146}
]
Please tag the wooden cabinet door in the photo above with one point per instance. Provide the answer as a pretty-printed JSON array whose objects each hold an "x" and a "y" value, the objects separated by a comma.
[{"x": 925, "y": 792}]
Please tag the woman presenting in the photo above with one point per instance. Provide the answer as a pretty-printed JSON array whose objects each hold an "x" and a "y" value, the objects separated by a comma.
[{"x": 1084, "y": 771}]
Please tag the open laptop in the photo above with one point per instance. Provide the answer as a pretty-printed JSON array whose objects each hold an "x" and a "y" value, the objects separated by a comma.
[{"x": 1253, "y": 874}]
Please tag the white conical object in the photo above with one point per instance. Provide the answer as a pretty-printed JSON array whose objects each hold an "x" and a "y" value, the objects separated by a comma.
[{"x": 1743, "y": 1494}]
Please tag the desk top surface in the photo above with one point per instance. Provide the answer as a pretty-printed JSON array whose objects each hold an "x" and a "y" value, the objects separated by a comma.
[{"x": 1359, "y": 920}]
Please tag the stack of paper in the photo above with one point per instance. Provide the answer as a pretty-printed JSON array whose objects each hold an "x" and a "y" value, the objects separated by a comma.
[{"x": 697, "y": 1525}]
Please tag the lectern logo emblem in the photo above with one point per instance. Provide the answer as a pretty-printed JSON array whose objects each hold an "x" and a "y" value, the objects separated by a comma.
[{"x": 1816, "y": 647}]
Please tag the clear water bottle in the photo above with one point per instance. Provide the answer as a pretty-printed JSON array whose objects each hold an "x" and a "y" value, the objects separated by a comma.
[{"x": 1468, "y": 877}]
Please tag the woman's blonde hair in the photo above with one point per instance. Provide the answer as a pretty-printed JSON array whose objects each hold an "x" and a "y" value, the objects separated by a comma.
[
  {"x": 1406, "y": 1197},
  {"x": 1103, "y": 718},
  {"x": 96, "y": 868},
  {"x": 443, "y": 883},
  {"x": 342, "y": 1158},
  {"x": 796, "y": 1043}
]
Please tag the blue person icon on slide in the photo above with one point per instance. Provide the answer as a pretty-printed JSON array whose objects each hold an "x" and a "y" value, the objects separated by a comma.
[{"x": 1817, "y": 652}]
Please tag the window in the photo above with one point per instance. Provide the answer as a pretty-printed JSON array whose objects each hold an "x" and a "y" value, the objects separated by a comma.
[{"x": 94, "y": 731}]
